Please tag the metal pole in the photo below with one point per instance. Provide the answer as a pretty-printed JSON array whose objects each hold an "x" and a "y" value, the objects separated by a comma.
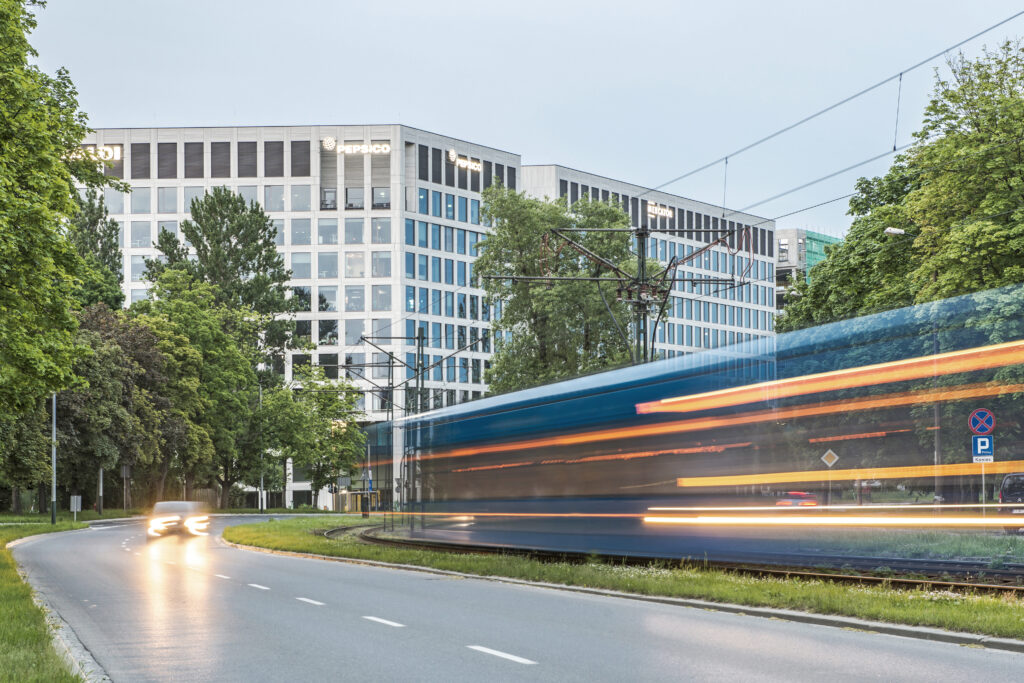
[
  {"x": 935, "y": 420},
  {"x": 260, "y": 502},
  {"x": 99, "y": 500},
  {"x": 53, "y": 462},
  {"x": 641, "y": 305},
  {"x": 420, "y": 343}
]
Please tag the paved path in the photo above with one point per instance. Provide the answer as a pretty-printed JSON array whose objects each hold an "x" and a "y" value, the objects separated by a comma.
[{"x": 193, "y": 609}]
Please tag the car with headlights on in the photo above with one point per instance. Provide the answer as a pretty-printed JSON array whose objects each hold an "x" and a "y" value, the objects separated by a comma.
[{"x": 177, "y": 516}]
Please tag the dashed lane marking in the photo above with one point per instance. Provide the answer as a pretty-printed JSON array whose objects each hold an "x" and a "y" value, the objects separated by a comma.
[
  {"x": 499, "y": 653},
  {"x": 311, "y": 602},
  {"x": 385, "y": 622},
  {"x": 262, "y": 588},
  {"x": 222, "y": 576}
]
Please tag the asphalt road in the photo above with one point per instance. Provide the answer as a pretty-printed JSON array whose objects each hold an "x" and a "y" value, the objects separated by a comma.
[{"x": 193, "y": 609}]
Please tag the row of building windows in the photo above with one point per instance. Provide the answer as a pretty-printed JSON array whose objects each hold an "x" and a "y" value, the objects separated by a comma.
[
  {"x": 140, "y": 158},
  {"x": 449, "y": 304},
  {"x": 275, "y": 198},
  {"x": 300, "y": 234},
  {"x": 435, "y": 269},
  {"x": 718, "y": 314},
  {"x": 354, "y": 298},
  {"x": 467, "y": 173},
  {"x": 700, "y": 337},
  {"x": 448, "y": 336},
  {"x": 451, "y": 207},
  {"x": 454, "y": 369},
  {"x": 711, "y": 260},
  {"x": 441, "y": 237}
]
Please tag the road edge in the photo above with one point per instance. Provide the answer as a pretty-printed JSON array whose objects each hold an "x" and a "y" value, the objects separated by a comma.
[
  {"x": 918, "y": 632},
  {"x": 65, "y": 641}
]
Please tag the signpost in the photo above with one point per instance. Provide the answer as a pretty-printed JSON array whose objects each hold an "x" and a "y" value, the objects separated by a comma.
[
  {"x": 76, "y": 506},
  {"x": 829, "y": 458},
  {"x": 982, "y": 422}
]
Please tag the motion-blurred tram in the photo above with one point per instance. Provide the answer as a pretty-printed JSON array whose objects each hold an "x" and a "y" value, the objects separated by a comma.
[{"x": 781, "y": 445}]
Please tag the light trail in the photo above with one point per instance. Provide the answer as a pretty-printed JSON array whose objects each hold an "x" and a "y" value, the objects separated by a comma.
[
  {"x": 763, "y": 508},
  {"x": 953, "y": 362},
  {"x": 904, "y": 472},
  {"x": 842, "y": 521},
  {"x": 716, "y": 448},
  {"x": 851, "y": 437},
  {"x": 715, "y": 422}
]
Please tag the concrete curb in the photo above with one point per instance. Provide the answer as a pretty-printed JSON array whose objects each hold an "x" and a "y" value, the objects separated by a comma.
[
  {"x": 69, "y": 648},
  {"x": 919, "y": 632}
]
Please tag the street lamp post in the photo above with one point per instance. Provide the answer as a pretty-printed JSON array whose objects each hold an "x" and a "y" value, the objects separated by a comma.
[
  {"x": 53, "y": 461},
  {"x": 260, "y": 494}
]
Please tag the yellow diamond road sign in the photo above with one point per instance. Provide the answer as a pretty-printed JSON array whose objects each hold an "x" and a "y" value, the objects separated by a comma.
[{"x": 830, "y": 458}]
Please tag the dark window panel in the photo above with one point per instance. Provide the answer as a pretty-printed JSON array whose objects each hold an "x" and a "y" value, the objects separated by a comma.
[
  {"x": 220, "y": 159},
  {"x": 463, "y": 178},
  {"x": 574, "y": 193},
  {"x": 635, "y": 211},
  {"x": 488, "y": 170},
  {"x": 771, "y": 243},
  {"x": 193, "y": 159},
  {"x": 435, "y": 166},
  {"x": 563, "y": 188},
  {"x": 140, "y": 160},
  {"x": 300, "y": 158},
  {"x": 273, "y": 159},
  {"x": 167, "y": 160},
  {"x": 115, "y": 168},
  {"x": 689, "y": 225},
  {"x": 643, "y": 215},
  {"x": 423, "y": 159},
  {"x": 474, "y": 178},
  {"x": 449, "y": 172},
  {"x": 584, "y": 191},
  {"x": 511, "y": 177},
  {"x": 604, "y": 195},
  {"x": 499, "y": 172},
  {"x": 247, "y": 160}
]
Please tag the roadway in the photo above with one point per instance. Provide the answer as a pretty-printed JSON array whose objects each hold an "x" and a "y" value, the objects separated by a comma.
[{"x": 182, "y": 609}]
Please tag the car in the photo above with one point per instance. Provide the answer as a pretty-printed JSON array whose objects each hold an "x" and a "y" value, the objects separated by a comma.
[
  {"x": 178, "y": 516},
  {"x": 797, "y": 499},
  {"x": 1011, "y": 498}
]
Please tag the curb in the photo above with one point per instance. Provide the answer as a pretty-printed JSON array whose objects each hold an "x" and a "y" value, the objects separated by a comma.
[{"x": 919, "y": 632}]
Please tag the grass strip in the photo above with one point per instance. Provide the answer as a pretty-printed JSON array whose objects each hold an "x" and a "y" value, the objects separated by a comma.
[
  {"x": 994, "y": 615},
  {"x": 26, "y": 648},
  {"x": 64, "y": 516}
]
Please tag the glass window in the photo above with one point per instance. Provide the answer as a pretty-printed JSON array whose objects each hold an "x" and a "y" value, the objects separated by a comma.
[
  {"x": 328, "y": 332},
  {"x": 139, "y": 295},
  {"x": 300, "y": 231},
  {"x": 449, "y": 239},
  {"x": 380, "y": 231},
  {"x": 474, "y": 302},
  {"x": 449, "y": 206},
  {"x": 463, "y": 213},
  {"x": 273, "y": 198},
  {"x": 381, "y": 297},
  {"x": 327, "y": 264},
  {"x": 435, "y": 204},
  {"x": 424, "y": 200},
  {"x": 410, "y": 265},
  {"x": 353, "y": 332},
  {"x": 461, "y": 270},
  {"x": 461, "y": 341},
  {"x": 435, "y": 268},
  {"x": 449, "y": 304},
  {"x": 329, "y": 361},
  {"x": 355, "y": 264},
  {"x": 410, "y": 232},
  {"x": 422, "y": 239},
  {"x": 353, "y": 231},
  {"x": 142, "y": 234},
  {"x": 138, "y": 267},
  {"x": 449, "y": 337},
  {"x": 380, "y": 264},
  {"x": 382, "y": 198},
  {"x": 301, "y": 265},
  {"x": 410, "y": 299},
  {"x": 380, "y": 366},
  {"x": 303, "y": 298},
  {"x": 300, "y": 197},
  {"x": 435, "y": 335},
  {"x": 167, "y": 226},
  {"x": 461, "y": 311},
  {"x": 424, "y": 304},
  {"x": 327, "y": 231},
  {"x": 355, "y": 298},
  {"x": 435, "y": 301},
  {"x": 248, "y": 193},
  {"x": 192, "y": 194},
  {"x": 354, "y": 198},
  {"x": 435, "y": 236},
  {"x": 485, "y": 312},
  {"x": 473, "y": 238},
  {"x": 141, "y": 200},
  {"x": 167, "y": 200},
  {"x": 113, "y": 200},
  {"x": 449, "y": 271},
  {"x": 460, "y": 241},
  {"x": 474, "y": 212},
  {"x": 327, "y": 298},
  {"x": 422, "y": 263}
]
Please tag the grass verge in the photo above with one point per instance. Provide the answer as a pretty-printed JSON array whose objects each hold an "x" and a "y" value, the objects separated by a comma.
[
  {"x": 26, "y": 649},
  {"x": 63, "y": 516},
  {"x": 993, "y": 615}
]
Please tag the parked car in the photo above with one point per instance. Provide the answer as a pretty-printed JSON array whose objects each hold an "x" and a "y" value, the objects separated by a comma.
[
  {"x": 1011, "y": 498},
  {"x": 178, "y": 516}
]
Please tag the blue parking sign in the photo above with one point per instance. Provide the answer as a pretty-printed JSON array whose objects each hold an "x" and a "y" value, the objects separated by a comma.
[{"x": 984, "y": 445}]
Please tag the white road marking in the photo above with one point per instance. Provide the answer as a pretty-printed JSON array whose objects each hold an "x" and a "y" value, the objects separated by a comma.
[
  {"x": 498, "y": 653},
  {"x": 312, "y": 602},
  {"x": 262, "y": 588},
  {"x": 385, "y": 622},
  {"x": 222, "y": 576}
]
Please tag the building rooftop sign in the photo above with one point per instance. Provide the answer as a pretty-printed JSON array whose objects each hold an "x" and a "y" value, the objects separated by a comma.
[
  {"x": 331, "y": 144},
  {"x": 464, "y": 162}
]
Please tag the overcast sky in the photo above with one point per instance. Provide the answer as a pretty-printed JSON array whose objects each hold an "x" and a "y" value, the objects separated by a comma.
[{"x": 638, "y": 91}]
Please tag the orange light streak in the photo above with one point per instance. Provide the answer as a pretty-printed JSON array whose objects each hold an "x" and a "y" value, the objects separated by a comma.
[
  {"x": 850, "y": 437},
  {"x": 953, "y": 362},
  {"x": 715, "y": 422},
  {"x": 925, "y": 507},
  {"x": 907, "y": 472},
  {"x": 825, "y": 520}
]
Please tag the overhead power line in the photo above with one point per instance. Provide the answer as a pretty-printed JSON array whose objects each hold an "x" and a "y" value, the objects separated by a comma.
[{"x": 829, "y": 108}]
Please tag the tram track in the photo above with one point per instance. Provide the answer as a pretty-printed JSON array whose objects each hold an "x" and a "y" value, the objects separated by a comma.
[{"x": 907, "y": 573}]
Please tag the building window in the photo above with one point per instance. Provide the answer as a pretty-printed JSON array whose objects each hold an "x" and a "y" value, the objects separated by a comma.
[
  {"x": 327, "y": 231},
  {"x": 273, "y": 159},
  {"x": 460, "y": 241},
  {"x": 380, "y": 264},
  {"x": 327, "y": 298},
  {"x": 167, "y": 160},
  {"x": 423, "y": 196},
  {"x": 424, "y": 273},
  {"x": 355, "y": 264},
  {"x": 138, "y": 267},
  {"x": 141, "y": 200},
  {"x": 273, "y": 198},
  {"x": 381, "y": 297},
  {"x": 474, "y": 212},
  {"x": 194, "y": 160},
  {"x": 463, "y": 213},
  {"x": 300, "y": 158},
  {"x": 300, "y": 231},
  {"x": 140, "y": 161},
  {"x": 303, "y": 331},
  {"x": 139, "y": 295},
  {"x": 354, "y": 198},
  {"x": 328, "y": 198},
  {"x": 435, "y": 268},
  {"x": 353, "y": 231},
  {"x": 300, "y": 197},
  {"x": 302, "y": 297},
  {"x": 449, "y": 206},
  {"x": 113, "y": 200},
  {"x": 167, "y": 200},
  {"x": 354, "y": 332},
  {"x": 246, "y": 159},
  {"x": 142, "y": 234},
  {"x": 355, "y": 298},
  {"x": 382, "y": 197},
  {"x": 168, "y": 227},
  {"x": 220, "y": 159},
  {"x": 380, "y": 231},
  {"x": 247, "y": 193},
  {"x": 327, "y": 264},
  {"x": 301, "y": 265},
  {"x": 435, "y": 204},
  {"x": 192, "y": 194},
  {"x": 328, "y": 332}
]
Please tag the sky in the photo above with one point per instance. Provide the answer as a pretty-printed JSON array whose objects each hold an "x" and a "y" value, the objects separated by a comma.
[{"x": 638, "y": 91}]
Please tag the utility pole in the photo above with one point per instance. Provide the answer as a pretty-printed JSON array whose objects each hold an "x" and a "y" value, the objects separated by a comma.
[
  {"x": 53, "y": 461},
  {"x": 261, "y": 506},
  {"x": 641, "y": 309},
  {"x": 99, "y": 498}
]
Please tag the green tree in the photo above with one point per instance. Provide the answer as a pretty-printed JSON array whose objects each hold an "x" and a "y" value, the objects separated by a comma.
[
  {"x": 97, "y": 239},
  {"x": 24, "y": 449},
  {"x": 235, "y": 250},
  {"x": 40, "y": 129},
  {"x": 559, "y": 329}
]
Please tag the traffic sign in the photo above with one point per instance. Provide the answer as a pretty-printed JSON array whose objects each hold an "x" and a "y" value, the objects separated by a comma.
[
  {"x": 830, "y": 458},
  {"x": 982, "y": 421},
  {"x": 984, "y": 458},
  {"x": 983, "y": 445}
]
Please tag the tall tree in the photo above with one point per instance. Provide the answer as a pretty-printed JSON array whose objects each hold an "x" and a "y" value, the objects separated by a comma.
[
  {"x": 40, "y": 128},
  {"x": 97, "y": 239},
  {"x": 559, "y": 329}
]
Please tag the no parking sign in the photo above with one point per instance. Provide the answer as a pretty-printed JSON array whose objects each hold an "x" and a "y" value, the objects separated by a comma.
[{"x": 982, "y": 421}]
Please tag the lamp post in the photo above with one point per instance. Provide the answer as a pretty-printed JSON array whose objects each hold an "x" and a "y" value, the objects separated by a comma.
[{"x": 53, "y": 461}]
